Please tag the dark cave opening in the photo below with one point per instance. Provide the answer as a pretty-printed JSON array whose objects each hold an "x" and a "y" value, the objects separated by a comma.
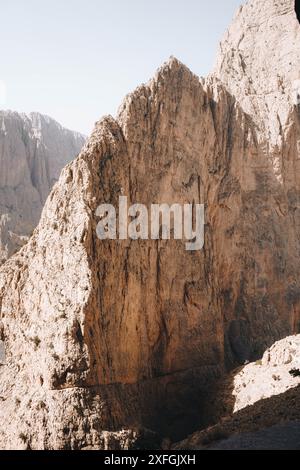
[{"x": 297, "y": 9}]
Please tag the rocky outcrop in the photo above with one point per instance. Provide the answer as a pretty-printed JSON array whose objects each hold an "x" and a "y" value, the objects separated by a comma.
[
  {"x": 33, "y": 151},
  {"x": 272, "y": 376},
  {"x": 257, "y": 404},
  {"x": 120, "y": 334}
]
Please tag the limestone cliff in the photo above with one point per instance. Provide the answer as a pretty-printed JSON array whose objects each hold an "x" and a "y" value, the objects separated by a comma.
[
  {"x": 33, "y": 150},
  {"x": 258, "y": 61},
  {"x": 108, "y": 335}
]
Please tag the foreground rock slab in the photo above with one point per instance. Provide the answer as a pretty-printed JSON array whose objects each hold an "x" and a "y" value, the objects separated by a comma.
[{"x": 257, "y": 405}]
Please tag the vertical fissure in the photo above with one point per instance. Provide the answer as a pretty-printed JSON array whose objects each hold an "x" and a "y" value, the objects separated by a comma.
[{"x": 297, "y": 9}]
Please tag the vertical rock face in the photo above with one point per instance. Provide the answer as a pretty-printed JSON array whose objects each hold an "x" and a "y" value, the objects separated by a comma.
[
  {"x": 33, "y": 150},
  {"x": 104, "y": 335},
  {"x": 258, "y": 62}
]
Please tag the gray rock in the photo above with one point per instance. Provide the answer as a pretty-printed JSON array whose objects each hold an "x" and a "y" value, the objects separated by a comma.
[{"x": 33, "y": 150}]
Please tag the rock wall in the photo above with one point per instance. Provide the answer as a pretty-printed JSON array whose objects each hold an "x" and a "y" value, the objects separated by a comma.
[
  {"x": 106, "y": 335},
  {"x": 33, "y": 151}
]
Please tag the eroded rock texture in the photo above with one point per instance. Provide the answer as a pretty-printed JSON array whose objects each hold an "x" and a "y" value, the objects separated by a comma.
[
  {"x": 108, "y": 335},
  {"x": 33, "y": 151},
  {"x": 271, "y": 376}
]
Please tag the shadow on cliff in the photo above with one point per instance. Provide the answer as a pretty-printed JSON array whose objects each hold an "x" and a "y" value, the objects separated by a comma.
[
  {"x": 297, "y": 9},
  {"x": 264, "y": 306},
  {"x": 266, "y": 413}
]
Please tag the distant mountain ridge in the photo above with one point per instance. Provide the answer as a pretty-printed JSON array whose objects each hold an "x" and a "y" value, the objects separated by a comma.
[{"x": 33, "y": 150}]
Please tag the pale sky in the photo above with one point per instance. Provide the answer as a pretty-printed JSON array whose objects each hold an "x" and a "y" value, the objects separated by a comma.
[{"x": 76, "y": 60}]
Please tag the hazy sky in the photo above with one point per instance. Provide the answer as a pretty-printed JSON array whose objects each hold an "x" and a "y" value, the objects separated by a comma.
[{"x": 75, "y": 60}]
